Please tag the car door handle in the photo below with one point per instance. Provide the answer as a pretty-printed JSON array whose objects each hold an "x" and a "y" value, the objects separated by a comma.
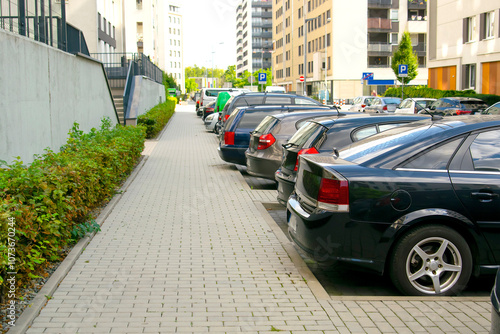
[{"x": 484, "y": 197}]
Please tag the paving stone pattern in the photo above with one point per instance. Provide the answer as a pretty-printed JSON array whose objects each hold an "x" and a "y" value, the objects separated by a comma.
[{"x": 186, "y": 251}]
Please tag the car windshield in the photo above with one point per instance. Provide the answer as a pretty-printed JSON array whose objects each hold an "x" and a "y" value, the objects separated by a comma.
[
  {"x": 392, "y": 101},
  {"x": 212, "y": 92},
  {"x": 473, "y": 105}
]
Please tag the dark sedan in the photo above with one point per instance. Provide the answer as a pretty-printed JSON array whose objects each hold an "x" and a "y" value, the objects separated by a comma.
[
  {"x": 327, "y": 134},
  {"x": 265, "y": 150},
  {"x": 235, "y": 136},
  {"x": 451, "y": 106},
  {"x": 420, "y": 202}
]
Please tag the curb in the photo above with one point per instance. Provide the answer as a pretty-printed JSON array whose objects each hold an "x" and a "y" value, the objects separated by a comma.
[{"x": 29, "y": 314}]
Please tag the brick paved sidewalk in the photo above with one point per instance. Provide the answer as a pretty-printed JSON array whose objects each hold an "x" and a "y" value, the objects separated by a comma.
[{"x": 186, "y": 250}]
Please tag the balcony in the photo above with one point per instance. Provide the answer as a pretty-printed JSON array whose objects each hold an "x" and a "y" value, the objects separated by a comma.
[
  {"x": 380, "y": 3},
  {"x": 416, "y": 27},
  {"x": 378, "y": 24},
  {"x": 417, "y": 4},
  {"x": 380, "y": 48}
]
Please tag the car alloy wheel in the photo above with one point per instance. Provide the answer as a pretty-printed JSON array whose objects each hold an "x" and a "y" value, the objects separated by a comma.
[{"x": 431, "y": 260}]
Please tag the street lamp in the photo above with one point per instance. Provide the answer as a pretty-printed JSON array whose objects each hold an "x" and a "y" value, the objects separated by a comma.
[
  {"x": 305, "y": 53},
  {"x": 326, "y": 58},
  {"x": 213, "y": 86}
]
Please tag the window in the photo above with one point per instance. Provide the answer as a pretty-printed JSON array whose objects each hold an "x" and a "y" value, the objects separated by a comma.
[
  {"x": 394, "y": 15},
  {"x": 436, "y": 158},
  {"x": 469, "y": 29},
  {"x": 487, "y": 25},
  {"x": 485, "y": 153},
  {"x": 469, "y": 76}
]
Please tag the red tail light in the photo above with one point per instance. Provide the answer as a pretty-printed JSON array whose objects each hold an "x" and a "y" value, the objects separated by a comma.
[
  {"x": 229, "y": 138},
  {"x": 333, "y": 195},
  {"x": 220, "y": 117},
  {"x": 363, "y": 105},
  {"x": 266, "y": 141},
  {"x": 384, "y": 108},
  {"x": 311, "y": 150},
  {"x": 226, "y": 117},
  {"x": 463, "y": 112}
]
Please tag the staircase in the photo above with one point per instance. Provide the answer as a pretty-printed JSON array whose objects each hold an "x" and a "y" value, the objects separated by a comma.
[{"x": 118, "y": 99}]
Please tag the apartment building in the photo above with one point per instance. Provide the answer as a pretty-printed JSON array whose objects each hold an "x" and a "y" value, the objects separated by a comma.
[
  {"x": 333, "y": 43},
  {"x": 253, "y": 35},
  {"x": 101, "y": 23},
  {"x": 174, "y": 55},
  {"x": 464, "y": 45}
]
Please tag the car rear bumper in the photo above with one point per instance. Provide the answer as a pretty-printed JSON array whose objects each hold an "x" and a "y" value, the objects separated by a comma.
[
  {"x": 259, "y": 167},
  {"x": 334, "y": 236},
  {"x": 235, "y": 155},
  {"x": 286, "y": 184}
]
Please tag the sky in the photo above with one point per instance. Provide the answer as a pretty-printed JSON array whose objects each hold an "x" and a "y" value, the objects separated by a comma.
[{"x": 207, "y": 23}]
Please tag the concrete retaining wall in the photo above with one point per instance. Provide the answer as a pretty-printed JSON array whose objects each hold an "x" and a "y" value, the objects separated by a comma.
[
  {"x": 144, "y": 95},
  {"x": 43, "y": 91}
]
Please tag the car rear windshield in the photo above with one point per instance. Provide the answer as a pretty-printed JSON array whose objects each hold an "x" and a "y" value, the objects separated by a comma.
[
  {"x": 473, "y": 105},
  {"x": 252, "y": 118},
  {"x": 210, "y": 92},
  {"x": 392, "y": 101},
  {"x": 307, "y": 134},
  {"x": 266, "y": 125}
]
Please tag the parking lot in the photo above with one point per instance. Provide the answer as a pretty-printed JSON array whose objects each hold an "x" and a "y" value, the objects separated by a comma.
[{"x": 191, "y": 246}]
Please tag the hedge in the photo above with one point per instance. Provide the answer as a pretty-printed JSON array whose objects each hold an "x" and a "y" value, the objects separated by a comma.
[
  {"x": 50, "y": 202},
  {"x": 155, "y": 119},
  {"x": 423, "y": 91}
]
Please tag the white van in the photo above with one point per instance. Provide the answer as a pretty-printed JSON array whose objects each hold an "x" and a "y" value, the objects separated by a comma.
[
  {"x": 275, "y": 89},
  {"x": 210, "y": 94}
]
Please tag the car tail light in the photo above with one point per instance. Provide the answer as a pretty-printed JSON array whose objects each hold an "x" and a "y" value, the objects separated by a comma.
[
  {"x": 229, "y": 138},
  {"x": 363, "y": 105},
  {"x": 463, "y": 112},
  {"x": 226, "y": 117},
  {"x": 266, "y": 141},
  {"x": 220, "y": 117},
  {"x": 311, "y": 150},
  {"x": 333, "y": 194},
  {"x": 384, "y": 108}
]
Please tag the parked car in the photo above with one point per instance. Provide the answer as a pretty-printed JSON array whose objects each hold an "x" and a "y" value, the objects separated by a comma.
[
  {"x": 414, "y": 105},
  {"x": 383, "y": 105},
  {"x": 210, "y": 122},
  {"x": 196, "y": 99},
  {"x": 208, "y": 95},
  {"x": 420, "y": 201},
  {"x": 235, "y": 136},
  {"x": 494, "y": 109},
  {"x": 359, "y": 104},
  {"x": 255, "y": 99},
  {"x": 327, "y": 134},
  {"x": 277, "y": 89},
  {"x": 265, "y": 149},
  {"x": 495, "y": 306},
  {"x": 207, "y": 109},
  {"x": 451, "y": 106}
]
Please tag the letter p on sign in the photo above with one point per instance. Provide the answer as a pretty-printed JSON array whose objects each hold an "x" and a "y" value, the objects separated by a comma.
[{"x": 403, "y": 70}]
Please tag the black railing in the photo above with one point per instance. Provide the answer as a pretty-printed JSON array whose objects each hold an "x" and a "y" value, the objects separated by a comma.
[
  {"x": 44, "y": 21},
  {"x": 117, "y": 65}
]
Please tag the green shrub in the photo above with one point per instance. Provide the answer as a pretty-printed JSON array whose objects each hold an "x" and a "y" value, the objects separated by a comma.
[
  {"x": 155, "y": 119},
  {"x": 53, "y": 197},
  {"x": 424, "y": 91}
]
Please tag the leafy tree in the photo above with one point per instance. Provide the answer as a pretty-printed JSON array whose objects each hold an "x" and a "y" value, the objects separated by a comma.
[
  {"x": 191, "y": 85},
  {"x": 169, "y": 81},
  {"x": 269, "y": 78},
  {"x": 404, "y": 55}
]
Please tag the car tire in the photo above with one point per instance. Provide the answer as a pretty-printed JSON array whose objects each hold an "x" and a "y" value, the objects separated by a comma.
[{"x": 420, "y": 266}]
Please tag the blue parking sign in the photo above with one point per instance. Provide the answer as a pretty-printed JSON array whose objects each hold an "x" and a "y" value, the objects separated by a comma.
[
  {"x": 403, "y": 70},
  {"x": 262, "y": 78}
]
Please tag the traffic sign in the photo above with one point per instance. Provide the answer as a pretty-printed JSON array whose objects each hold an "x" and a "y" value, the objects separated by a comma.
[
  {"x": 301, "y": 78},
  {"x": 262, "y": 78},
  {"x": 367, "y": 76},
  {"x": 402, "y": 71}
]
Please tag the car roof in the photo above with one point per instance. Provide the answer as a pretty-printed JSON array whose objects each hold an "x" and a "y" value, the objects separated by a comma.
[
  {"x": 461, "y": 98},
  {"x": 401, "y": 142},
  {"x": 358, "y": 117},
  {"x": 333, "y": 112},
  {"x": 286, "y": 107}
]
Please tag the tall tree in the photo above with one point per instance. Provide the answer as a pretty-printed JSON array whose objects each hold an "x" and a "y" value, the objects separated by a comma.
[
  {"x": 191, "y": 85},
  {"x": 404, "y": 55}
]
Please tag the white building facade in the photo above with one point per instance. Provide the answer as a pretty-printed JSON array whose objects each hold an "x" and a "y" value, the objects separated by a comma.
[{"x": 464, "y": 45}]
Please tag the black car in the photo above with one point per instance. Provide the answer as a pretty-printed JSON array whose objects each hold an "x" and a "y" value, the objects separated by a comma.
[
  {"x": 235, "y": 136},
  {"x": 420, "y": 202},
  {"x": 452, "y": 106},
  {"x": 265, "y": 149},
  {"x": 327, "y": 134},
  {"x": 257, "y": 99}
]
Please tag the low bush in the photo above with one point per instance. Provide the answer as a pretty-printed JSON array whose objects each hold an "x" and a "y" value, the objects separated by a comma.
[
  {"x": 48, "y": 205},
  {"x": 423, "y": 91},
  {"x": 155, "y": 119}
]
